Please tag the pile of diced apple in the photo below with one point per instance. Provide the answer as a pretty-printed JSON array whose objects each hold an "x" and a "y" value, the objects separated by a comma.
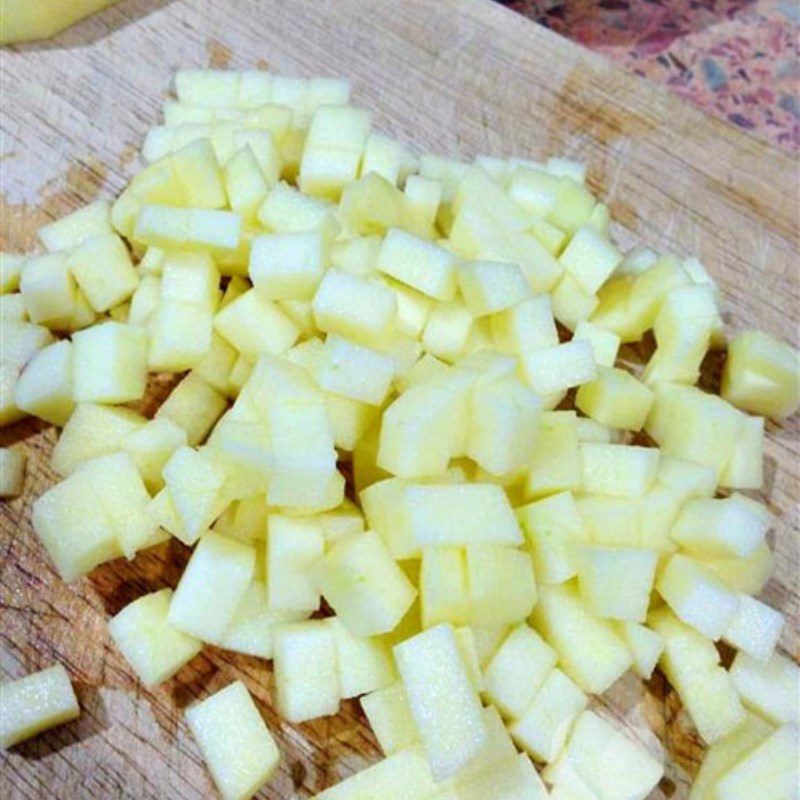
[{"x": 398, "y": 391}]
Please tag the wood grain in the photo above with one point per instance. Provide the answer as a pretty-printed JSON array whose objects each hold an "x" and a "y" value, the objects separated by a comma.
[{"x": 457, "y": 77}]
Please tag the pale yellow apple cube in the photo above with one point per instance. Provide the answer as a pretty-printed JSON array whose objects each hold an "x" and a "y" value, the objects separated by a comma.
[
  {"x": 553, "y": 370},
  {"x": 212, "y": 586},
  {"x": 762, "y": 375},
  {"x": 388, "y": 158},
  {"x": 589, "y": 650},
  {"x": 365, "y": 664},
  {"x": 235, "y": 741},
  {"x": 245, "y": 184},
  {"x": 307, "y": 679},
  {"x": 618, "y": 470},
  {"x": 217, "y": 364},
  {"x": 194, "y": 406},
  {"x": 769, "y": 689},
  {"x": 213, "y": 231},
  {"x": 287, "y": 266},
  {"x": 604, "y": 343},
  {"x": 542, "y": 728},
  {"x": 150, "y": 448},
  {"x": 74, "y": 229},
  {"x": 502, "y": 587},
  {"x": 572, "y": 304},
  {"x": 616, "y": 582},
  {"x": 443, "y": 586},
  {"x": 489, "y": 287},
  {"x": 145, "y": 300},
  {"x": 180, "y": 336},
  {"x": 355, "y": 308},
  {"x": 354, "y": 371},
  {"x": 93, "y": 430},
  {"x": 35, "y": 703},
  {"x": 517, "y": 671},
  {"x": 616, "y": 398},
  {"x": 420, "y": 264},
  {"x": 45, "y": 387},
  {"x": 614, "y": 521},
  {"x": 755, "y": 628},
  {"x": 745, "y": 469},
  {"x": 590, "y": 258},
  {"x": 254, "y": 326},
  {"x": 364, "y": 585},
  {"x": 390, "y": 718},
  {"x": 421, "y": 199},
  {"x": 447, "y": 330},
  {"x": 370, "y": 205},
  {"x": 104, "y": 271},
  {"x": 514, "y": 778},
  {"x": 154, "y": 649},
  {"x": 287, "y": 210},
  {"x": 444, "y": 704},
  {"x": 48, "y": 288},
  {"x": 109, "y": 363},
  {"x": 293, "y": 545},
  {"x": 526, "y": 327},
  {"x": 645, "y": 646},
  {"x": 356, "y": 255},
  {"x": 555, "y": 464}
]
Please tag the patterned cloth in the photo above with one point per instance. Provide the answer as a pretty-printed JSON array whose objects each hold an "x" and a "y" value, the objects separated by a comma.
[{"x": 736, "y": 59}]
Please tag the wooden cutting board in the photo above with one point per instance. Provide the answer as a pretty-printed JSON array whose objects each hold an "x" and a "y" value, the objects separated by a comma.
[{"x": 459, "y": 78}]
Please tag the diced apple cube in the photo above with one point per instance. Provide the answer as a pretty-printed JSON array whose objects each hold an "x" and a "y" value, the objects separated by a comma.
[
  {"x": 769, "y": 771},
  {"x": 212, "y": 231},
  {"x": 755, "y": 628},
  {"x": 365, "y": 664},
  {"x": 354, "y": 371},
  {"x": 605, "y": 344},
  {"x": 489, "y": 287},
  {"x": 572, "y": 304},
  {"x": 109, "y": 363},
  {"x": 307, "y": 678},
  {"x": 556, "y": 459},
  {"x": 644, "y": 644},
  {"x": 526, "y": 327},
  {"x": 443, "y": 702},
  {"x": 389, "y": 715},
  {"x": 354, "y": 308},
  {"x": 696, "y": 596},
  {"x": 761, "y": 375},
  {"x": 447, "y": 331},
  {"x": 748, "y": 575},
  {"x": 613, "y": 766},
  {"x": 104, "y": 272},
  {"x": 421, "y": 200},
  {"x": 194, "y": 406},
  {"x": 618, "y": 470},
  {"x": 49, "y": 290},
  {"x": 44, "y": 387},
  {"x": 502, "y": 588},
  {"x": 518, "y": 670},
  {"x": 745, "y": 470},
  {"x": 589, "y": 650},
  {"x": 461, "y": 515},
  {"x": 364, "y": 585},
  {"x": 245, "y": 184},
  {"x": 287, "y": 266},
  {"x": 590, "y": 258},
  {"x": 553, "y": 526},
  {"x": 371, "y": 205},
  {"x": 286, "y": 210},
  {"x": 154, "y": 649},
  {"x": 553, "y": 370},
  {"x": 612, "y": 521},
  {"x": 542, "y": 729},
  {"x": 615, "y": 582},
  {"x": 74, "y": 527},
  {"x": 212, "y": 586},
  {"x": 74, "y": 229},
  {"x": 443, "y": 586},
  {"x": 710, "y": 528},
  {"x": 35, "y": 703},
  {"x": 235, "y": 741},
  {"x": 770, "y": 689},
  {"x": 515, "y": 779},
  {"x": 293, "y": 544},
  {"x": 615, "y": 398}
]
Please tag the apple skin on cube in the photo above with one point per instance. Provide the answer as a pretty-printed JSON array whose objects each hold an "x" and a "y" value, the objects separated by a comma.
[
  {"x": 363, "y": 584},
  {"x": 443, "y": 702},
  {"x": 769, "y": 689},
  {"x": 44, "y": 388},
  {"x": 517, "y": 671},
  {"x": 306, "y": 670},
  {"x": 212, "y": 586},
  {"x": 590, "y": 652},
  {"x": 769, "y": 771},
  {"x": 35, "y": 703},
  {"x": 154, "y": 649},
  {"x": 696, "y": 596},
  {"x": 109, "y": 363},
  {"x": 544, "y": 725},
  {"x": 235, "y": 741}
]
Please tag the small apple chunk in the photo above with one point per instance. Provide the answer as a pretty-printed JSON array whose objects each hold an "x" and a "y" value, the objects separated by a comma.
[
  {"x": 12, "y": 472},
  {"x": 35, "y": 703},
  {"x": 235, "y": 741}
]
